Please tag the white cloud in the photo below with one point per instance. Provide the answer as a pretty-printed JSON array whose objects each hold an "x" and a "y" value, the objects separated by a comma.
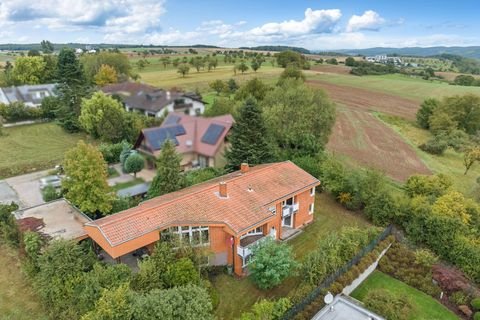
[
  {"x": 315, "y": 21},
  {"x": 369, "y": 20},
  {"x": 119, "y": 19}
]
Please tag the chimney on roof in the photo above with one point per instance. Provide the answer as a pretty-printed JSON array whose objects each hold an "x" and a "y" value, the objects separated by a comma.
[
  {"x": 222, "y": 189},
  {"x": 244, "y": 167}
]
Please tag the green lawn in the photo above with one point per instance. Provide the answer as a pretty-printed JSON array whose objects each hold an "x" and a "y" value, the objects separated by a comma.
[
  {"x": 124, "y": 185},
  {"x": 34, "y": 147},
  {"x": 450, "y": 163},
  {"x": 426, "y": 308},
  {"x": 17, "y": 301},
  {"x": 238, "y": 295},
  {"x": 396, "y": 84},
  {"x": 168, "y": 78}
]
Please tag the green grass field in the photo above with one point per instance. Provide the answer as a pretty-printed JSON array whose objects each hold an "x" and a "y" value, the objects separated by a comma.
[
  {"x": 396, "y": 84},
  {"x": 34, "y": 147},
  {"x": 450, "y": 163},
  {"x": 425, "y": 307},
  {"x": 329, "y": 216},
  {"x": 156, "y": 75},
  {"x": 17, "y": 300}
]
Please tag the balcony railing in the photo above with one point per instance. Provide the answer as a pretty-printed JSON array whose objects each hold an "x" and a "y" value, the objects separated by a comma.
[
  {"x": 247, "y": 250},
  {"x": 288, "y": 209}
]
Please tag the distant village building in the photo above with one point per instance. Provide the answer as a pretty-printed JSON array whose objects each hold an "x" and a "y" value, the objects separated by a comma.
[
  {"x": 200, "y": 141},
  {"x": 154, "y": 102},
  {"x": 31, "y": 95},
  {"x": 384, "y": 59}
]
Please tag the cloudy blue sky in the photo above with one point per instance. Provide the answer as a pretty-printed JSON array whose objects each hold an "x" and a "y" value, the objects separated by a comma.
[{"x": 312, "y": 24}]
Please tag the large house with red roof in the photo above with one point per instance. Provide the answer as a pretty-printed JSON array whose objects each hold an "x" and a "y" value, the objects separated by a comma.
[
  {"x": 227, "y": 215},
  {"x": 200, "y": 141}
]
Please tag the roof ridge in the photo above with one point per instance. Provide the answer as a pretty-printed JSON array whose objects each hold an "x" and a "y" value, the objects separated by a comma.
[{"x": 234, "y": 178}]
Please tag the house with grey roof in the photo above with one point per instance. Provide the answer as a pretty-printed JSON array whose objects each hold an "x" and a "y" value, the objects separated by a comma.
[
  {"x": 31, "y": 95},
  {"x": 346, "y": 308},
  {"x": 154, "y": 102}
]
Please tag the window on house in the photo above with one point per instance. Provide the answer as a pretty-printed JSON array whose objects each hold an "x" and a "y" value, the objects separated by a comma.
[
  {"x": 288, "y": 202},
  {"x": 311, "y": 208},
  {"x": 312, "y": 191},
  {"x": 253, "y": 232},
  {"x": 194, "y": 235}
]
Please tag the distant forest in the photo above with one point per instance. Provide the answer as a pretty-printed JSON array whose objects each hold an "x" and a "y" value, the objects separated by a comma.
[
  {"x": 277, "y": 48},
  {"x": 467, "y": 52}
]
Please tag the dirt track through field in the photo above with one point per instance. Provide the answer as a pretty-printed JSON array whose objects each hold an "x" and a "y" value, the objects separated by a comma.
[
  {"x": 368, "y": 100},
  {"x": 362, "y": 137}
]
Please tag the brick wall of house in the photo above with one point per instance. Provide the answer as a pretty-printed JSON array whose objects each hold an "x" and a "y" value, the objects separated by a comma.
[{"x": 303, "y": 216}]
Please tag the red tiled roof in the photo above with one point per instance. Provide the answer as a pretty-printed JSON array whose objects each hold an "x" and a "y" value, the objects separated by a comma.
[
  {"x": 195, "y": 128},
  {"x": 200, "y": 204}
]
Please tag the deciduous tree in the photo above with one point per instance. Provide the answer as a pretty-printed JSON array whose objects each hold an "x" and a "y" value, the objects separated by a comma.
[
  {"x": 183, "y": 69},
  {"x": 272, "y": 263},
  {"x": 28, "y": 70},
  {"x": 102, "y": 117},
  {"x": 106, "y": 75},
  {"x": 86, "y": 179},
  {"x": 134, "y": 164}
]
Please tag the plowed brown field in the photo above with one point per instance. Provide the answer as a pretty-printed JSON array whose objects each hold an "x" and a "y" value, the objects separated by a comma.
[
  {"x": 368, "y": 100},
  {"x": 365, "y": 139}
]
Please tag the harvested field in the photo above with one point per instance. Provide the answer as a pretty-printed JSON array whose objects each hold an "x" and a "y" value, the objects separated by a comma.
[
  {"x": 368, "y": 100},
  {"x": 365, "y": 139},
  {"x": 330, "y": 68}
]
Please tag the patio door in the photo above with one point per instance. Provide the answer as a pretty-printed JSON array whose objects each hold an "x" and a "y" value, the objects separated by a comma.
[{"x": 287, "y": 221}]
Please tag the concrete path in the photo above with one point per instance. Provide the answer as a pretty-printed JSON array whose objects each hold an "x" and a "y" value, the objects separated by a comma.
[
  {"x": 27, "y": 187},
  {"x": 7, "y": 194},
  {"x": 123, "y": 177}
]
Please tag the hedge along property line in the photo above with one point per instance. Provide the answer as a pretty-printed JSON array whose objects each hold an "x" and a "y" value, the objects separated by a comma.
[{"x": 315, "y": 293}]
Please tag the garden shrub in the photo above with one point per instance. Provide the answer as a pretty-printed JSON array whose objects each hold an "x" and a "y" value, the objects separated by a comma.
[
  {"x": 475, "y": 303},
  {"x": 49, "y": 193},
  {"x": 272, "y": 263},
  {"x": 451, "y": 279},
  {"x": 18, "y": 111},
  {"x": 429, "y": 186},
  {"x": 111, "y": 151},
  {"x": 389, "y": 305},
  {"x": 435, "y": 146},
  {"x": 400, "y": 263},
  {"x": 9, "y": 233},
  {"x": 476, "y": 316},
  {"x": 459, "y": 298}
]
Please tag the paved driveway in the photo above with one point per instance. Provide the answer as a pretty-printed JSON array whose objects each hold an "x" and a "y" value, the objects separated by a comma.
[
  {"x": 7, "y": 194},
  {"x": 27, "y": 187}
]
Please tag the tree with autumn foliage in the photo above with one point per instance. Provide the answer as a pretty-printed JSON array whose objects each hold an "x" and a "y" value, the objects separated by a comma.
[
  {"x": 106, "y": 75},
  {"x": 86, "y": 179}
]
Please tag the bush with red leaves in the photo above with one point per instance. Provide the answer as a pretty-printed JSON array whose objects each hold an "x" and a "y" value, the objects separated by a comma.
[{"x": 451, "y": 279}]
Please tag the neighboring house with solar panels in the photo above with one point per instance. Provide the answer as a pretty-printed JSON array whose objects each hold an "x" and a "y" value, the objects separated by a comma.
[
  {"x": 154, "y": 102},
  {"x": 30, "y": 95},
  {"x": 201, "y": 141}
]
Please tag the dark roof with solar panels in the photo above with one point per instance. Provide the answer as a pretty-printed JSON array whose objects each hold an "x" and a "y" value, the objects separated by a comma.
[
  {"x": 213, "y": 133},
  {"x": 157, "y": 136}
]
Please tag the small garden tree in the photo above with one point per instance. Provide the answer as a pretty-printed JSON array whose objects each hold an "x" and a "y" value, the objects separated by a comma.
[
  {"x": 271, "y": 264},
  {"x": 134, "y": 163},
  {"x": 169, "y": 177}
]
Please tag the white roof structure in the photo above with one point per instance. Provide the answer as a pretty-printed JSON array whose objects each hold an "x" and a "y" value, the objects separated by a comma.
[{"x": 345, "y": 308}]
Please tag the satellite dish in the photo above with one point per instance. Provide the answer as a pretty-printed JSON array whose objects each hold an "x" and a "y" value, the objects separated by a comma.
[{"x": 328, "y": 298}]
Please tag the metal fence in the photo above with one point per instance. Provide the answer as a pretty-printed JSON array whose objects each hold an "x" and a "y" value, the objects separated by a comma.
[{"x": 292, "y": 312}]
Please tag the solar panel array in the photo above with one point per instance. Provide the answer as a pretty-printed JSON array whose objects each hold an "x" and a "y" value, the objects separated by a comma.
[
  {"x": 172, "y": 119},
  {"x": 157, "y": 137},
  {"x": 213, "y": 133}
]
